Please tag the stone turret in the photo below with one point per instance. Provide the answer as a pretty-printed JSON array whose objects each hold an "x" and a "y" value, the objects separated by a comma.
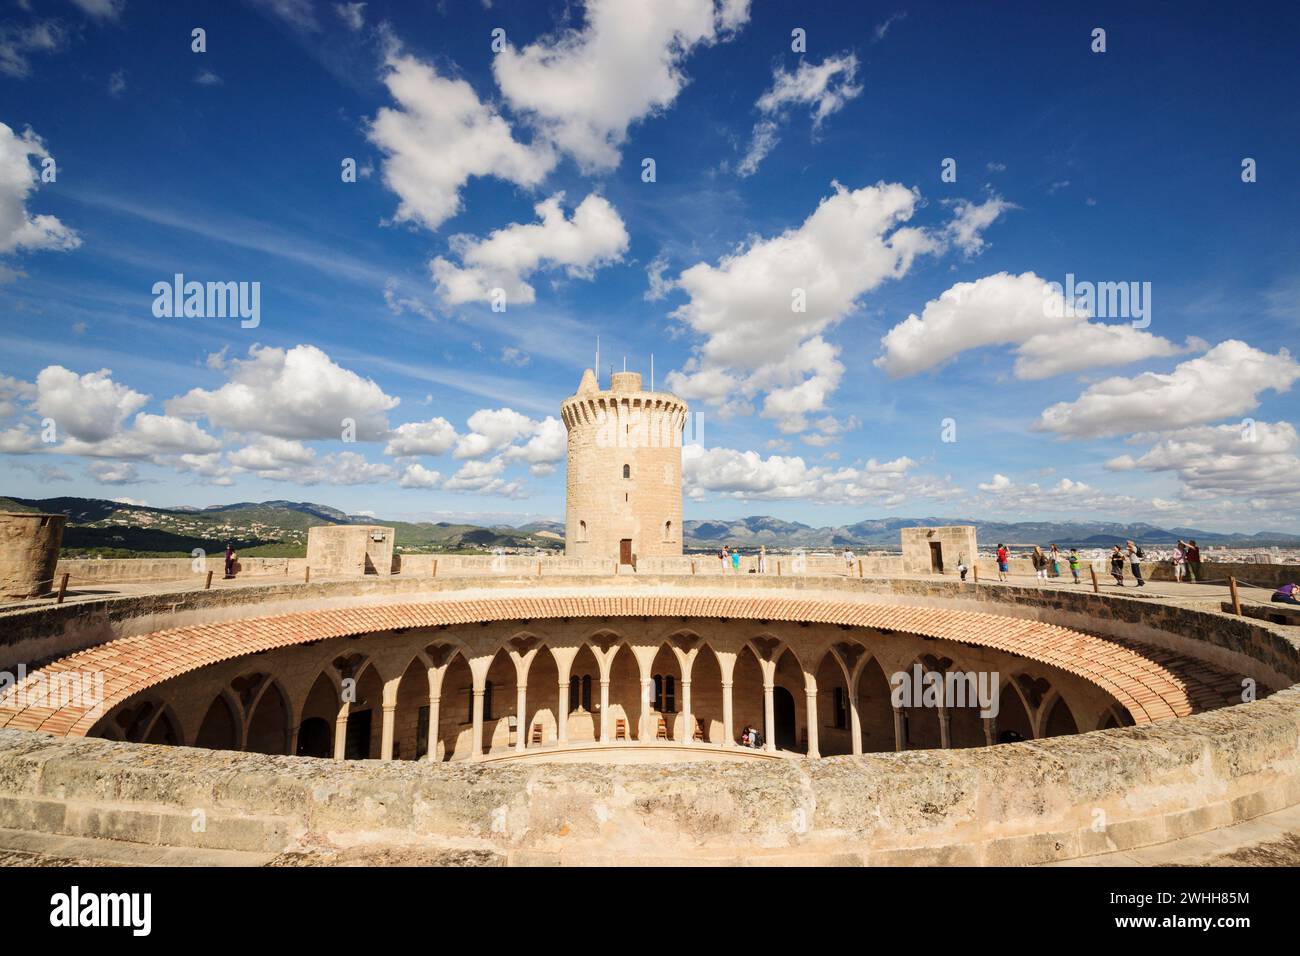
[
  {"x": 624, "y": 489},
  {"x": 29, "y": 551}
]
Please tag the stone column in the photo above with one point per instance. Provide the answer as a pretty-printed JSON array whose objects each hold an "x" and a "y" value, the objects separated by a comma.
[
  {"x": 945, "y": 729},
  {"x": 899, "y": 744},
  {"x": 435, "y": 715},
  {"x": 769, "y": 718},
  {"x": 521, "y": 716},
  {"x": 688, "y": 723},
  {"x": 562, "y": 715},
  {"x": 476, "y": 738},
  {"x": 341, "y": 732},
  {"x": 604, "y": 710},
  {"x": 728, "y": 731},
  {"x": 811, "y": 698},
  {"x": 645, "y": 731},
  {"x": 855, "y": 719},
  {"x": 990, "y": 731},
  {"x": 293, "y": 742},
  {"x": 386, "y": 738}
]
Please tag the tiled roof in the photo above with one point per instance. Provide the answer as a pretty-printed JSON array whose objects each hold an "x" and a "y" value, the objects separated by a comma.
[{"x": 1152, "y": 684}]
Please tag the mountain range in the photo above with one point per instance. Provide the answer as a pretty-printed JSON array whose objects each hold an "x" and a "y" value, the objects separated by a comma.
[{"x": 279, "y": 528}]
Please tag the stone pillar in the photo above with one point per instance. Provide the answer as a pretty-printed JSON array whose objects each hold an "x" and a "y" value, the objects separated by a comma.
[
  {"x": 645, "y": 732},
  {"x": 899, "y": 744},
  {"x": 476, "y": 739},
  {"x": 945, "y": 729},
  {"x": 728, "y": 731},
  {"x": 769, "y": 718},
  {"x": 29, "y": 554},
  {"x": 435, "y": 707},
  {"x": 386, "y": 739},
  {"x": 521, "y": 716},
  {"x": 604, "y": 710},
  {"x": 562, "y": 715},
  {"x": 811, "y": 698},
  {"x": 293, "y": 742},
  {"x": 990, "y": 731},
  {"x": 341, "y": 732},
  {"x": 688, "y": 722},
  {"x": 855, "y": 719}
]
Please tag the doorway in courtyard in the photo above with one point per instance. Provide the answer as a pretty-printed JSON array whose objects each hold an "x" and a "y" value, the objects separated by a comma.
[
  {"x": 936, "y": 557},
  {"x": 783, "y": 715}
]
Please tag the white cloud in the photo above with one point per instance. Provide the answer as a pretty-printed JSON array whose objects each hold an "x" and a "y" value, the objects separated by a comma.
[
  {"x": 352, "y": 14},
  {"x": 268, "y": 455},
  {"x": 491, "y": 430},
  {"x": 434, "y": 437},
  {"x": 584, "y": 88},
  {"x": 19, "y": 230},
  {"x": 90, "y": 407},
  {"x": 728, "y": 473},
  {"x": 103, "y": 9},
  {"x": 417, "y": 476},
  {"x": 1247, "y": 460},
  {"x": 593, "y": 238},
  {"x": 966, "y": 230},
  {"x": 299, "y": 393},
  {"x": 17, "y": 43},
  {"x": 549, "y": 444},
  {"x": 1024, "y": 311},
  {"x": 1224, "y": 382},
  {"x": 440, "y": 134},
  {"x": 657, "y": 286},
  {"x": 484, "y": 477},
  {"x": 113, "y": 472},
  {"x": 296, "y": 13},
  {"x": 207, "y": 78},
  {"x": 823, "y": 88},
  {"x": 755, "y": 340}
]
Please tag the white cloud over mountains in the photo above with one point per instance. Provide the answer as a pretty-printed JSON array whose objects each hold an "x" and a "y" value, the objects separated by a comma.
[
  {"x": 298, "y": 393},
  {"x": 594, "y": 237},
  {"x": 747, "y": 475}
]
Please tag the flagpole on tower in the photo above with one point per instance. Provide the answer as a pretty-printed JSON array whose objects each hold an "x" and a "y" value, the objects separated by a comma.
[{"x": 597, "y": 369}]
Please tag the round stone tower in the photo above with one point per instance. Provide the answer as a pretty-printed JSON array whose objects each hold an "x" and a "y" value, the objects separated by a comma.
[
  {"x": 624, "y": 494},
  {"x": 29, "y": 550}
]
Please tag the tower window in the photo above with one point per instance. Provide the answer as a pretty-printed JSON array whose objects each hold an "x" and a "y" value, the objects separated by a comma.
[
  {"x": 627, "y": 471},
  {"x": 668, "y": 531},
  {"x": 582, "y": 531}
]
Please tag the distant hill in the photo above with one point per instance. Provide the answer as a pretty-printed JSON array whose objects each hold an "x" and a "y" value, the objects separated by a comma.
[{"x": 269, "y": 528}]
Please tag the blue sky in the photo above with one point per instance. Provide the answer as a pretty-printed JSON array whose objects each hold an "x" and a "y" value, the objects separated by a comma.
[{"x": 776, "y": 170}]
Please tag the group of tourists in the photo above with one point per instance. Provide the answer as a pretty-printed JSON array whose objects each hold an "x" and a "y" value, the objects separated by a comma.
[
  {"x": 730, "y": 559},
  {"x": 1187, "y": 561}
]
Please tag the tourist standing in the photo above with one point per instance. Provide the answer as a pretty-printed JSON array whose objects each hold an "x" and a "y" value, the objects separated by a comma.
[
  {"x": 762, "y": 559},
  {"x": 735, "y": 562},
  {"x": 961, "y": 566},
  {"x": 1004, "y": 562},
  {"x": 1040, "y": 563},
  {"x": 1074, "y": 564},
  {"x": 1056, "y": 561},
  {"x": 1135, "y": 557},
  {"x": 1180, "y": 559},
  {"x": 725, "y": 557},
  {"x": 1117, "y": 566},
  {"x": 230, "y": 560},
  {"x": 1194, "y": 562}
]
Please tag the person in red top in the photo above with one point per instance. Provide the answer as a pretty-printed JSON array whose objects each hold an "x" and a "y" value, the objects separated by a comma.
[{"x": 1004, "y": 562}]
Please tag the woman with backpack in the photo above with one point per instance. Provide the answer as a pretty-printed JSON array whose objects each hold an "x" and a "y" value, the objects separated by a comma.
[{"x": 1040, "y": 563}]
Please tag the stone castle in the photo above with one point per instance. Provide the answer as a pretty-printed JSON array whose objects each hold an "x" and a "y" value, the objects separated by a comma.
[{"x": 623, "y": 498}]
